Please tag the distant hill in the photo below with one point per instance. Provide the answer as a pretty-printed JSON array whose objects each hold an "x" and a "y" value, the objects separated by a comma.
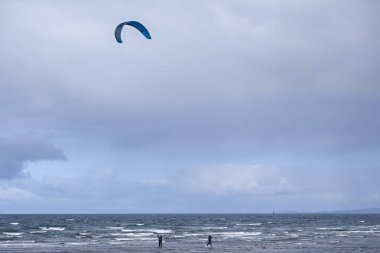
[{"x": 359, "y": 211}]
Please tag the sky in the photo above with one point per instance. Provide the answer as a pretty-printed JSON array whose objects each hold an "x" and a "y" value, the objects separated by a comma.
[{"x": 233, "y": 106}]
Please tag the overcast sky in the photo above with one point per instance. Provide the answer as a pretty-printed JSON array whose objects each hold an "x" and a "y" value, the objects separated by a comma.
[{"x": 233, "y": 106}]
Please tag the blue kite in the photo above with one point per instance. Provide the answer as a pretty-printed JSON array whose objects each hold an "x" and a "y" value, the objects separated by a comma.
[{"x": 134, "y": 24}]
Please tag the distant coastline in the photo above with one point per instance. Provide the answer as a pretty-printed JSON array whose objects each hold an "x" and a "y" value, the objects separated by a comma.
[
  {"x": 359, "y": 211},
  {"x": 372, "y": 210}
]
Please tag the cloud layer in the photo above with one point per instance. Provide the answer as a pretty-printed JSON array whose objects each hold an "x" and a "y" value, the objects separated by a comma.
[
  {"x": 221, "y": 87},
  {"x": 16, "y": 151},
  {"x": 238, "y": 179}
]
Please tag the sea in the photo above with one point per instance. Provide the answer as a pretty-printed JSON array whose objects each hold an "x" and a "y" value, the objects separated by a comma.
[{"x": 268, "y": 233}]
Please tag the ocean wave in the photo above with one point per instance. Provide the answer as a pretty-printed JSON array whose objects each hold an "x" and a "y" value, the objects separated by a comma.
[
  {"x": 361, "y": 231},
  {"x": 114, "y": 228},
  {"x": 16, "y": 234},
  {"x": 238, "y": 234},
  {"x": 132, "y": 234},
  {"x": 330, "y": 228},
  {"x": 130, "y": 230},
  {"x": 38, "y": 232},
  {"x": 187, "y": 233},
  {"x": 140, "y": 234},
  {"x": 134, "y": 239},
  {"x": 148, "y": 230},
  {"x": 84, "y": 233},
  {"x": 77, "y": 243},
  {"x": 21, "y": 244},
  {"x": 161, "y": 231},
  {"x": 216, "y": 228},
  {"x": 248, "y": 224},
  {"x": 52, "y": 228}
]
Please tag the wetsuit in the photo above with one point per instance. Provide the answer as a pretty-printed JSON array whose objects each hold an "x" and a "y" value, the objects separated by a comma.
[
  {"x": 160, "y": 241},
  {"x": 209, "y": 241}
]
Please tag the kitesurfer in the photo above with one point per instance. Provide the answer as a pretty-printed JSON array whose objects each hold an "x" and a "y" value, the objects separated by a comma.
[
  {"x": 209, "y": 241},
  {"x": 159, "y": 241}
]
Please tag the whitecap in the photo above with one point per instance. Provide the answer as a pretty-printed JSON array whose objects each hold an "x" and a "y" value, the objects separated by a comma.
[
  {"x": 254, "y": 224},
  {"x": 14, "y": 223},
  {"x": 239, "y": 234},
  {"x": 21, "y": 244},
  {"x": 76, "y": 243},
  {"x": 38, "y": 232},
  {"x": 133, "y": 239},
  {"x": 129, "y": 230},
  {"x": 132, "y": 234},
  {"x": 139, "y": 234},
  {"x": 12, "y": 233},
  {"x": 161, "y": 231},
  {"x": 117, "y": 234},
  {"x": 329, "y": 228},
  {"x": 217, "y": 228},
  {"x": 114, "y": 228},
  {"x": 361, "y": 231},
  {"x": 52, "y": 228},
  {"x": 248, "y": 224}
]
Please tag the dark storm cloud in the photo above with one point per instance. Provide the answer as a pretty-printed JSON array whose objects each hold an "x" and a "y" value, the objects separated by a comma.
[{"x": 16, "y": 151}]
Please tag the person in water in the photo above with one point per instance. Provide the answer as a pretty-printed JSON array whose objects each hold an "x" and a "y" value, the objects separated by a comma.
[
  {"x": 159, "y": 241},
  {"x": 209, "y": 241}
]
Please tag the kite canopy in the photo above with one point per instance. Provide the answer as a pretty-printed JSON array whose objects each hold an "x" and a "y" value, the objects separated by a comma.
[{"x": 134, "y": 24}]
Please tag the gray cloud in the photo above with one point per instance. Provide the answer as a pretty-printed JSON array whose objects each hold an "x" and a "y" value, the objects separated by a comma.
[
  {"x": 16, "y": 151},
  {"x": 286, "y": 85},
  {"x": 269, "y": 79},
  {"x": 238, "y": 179}
]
